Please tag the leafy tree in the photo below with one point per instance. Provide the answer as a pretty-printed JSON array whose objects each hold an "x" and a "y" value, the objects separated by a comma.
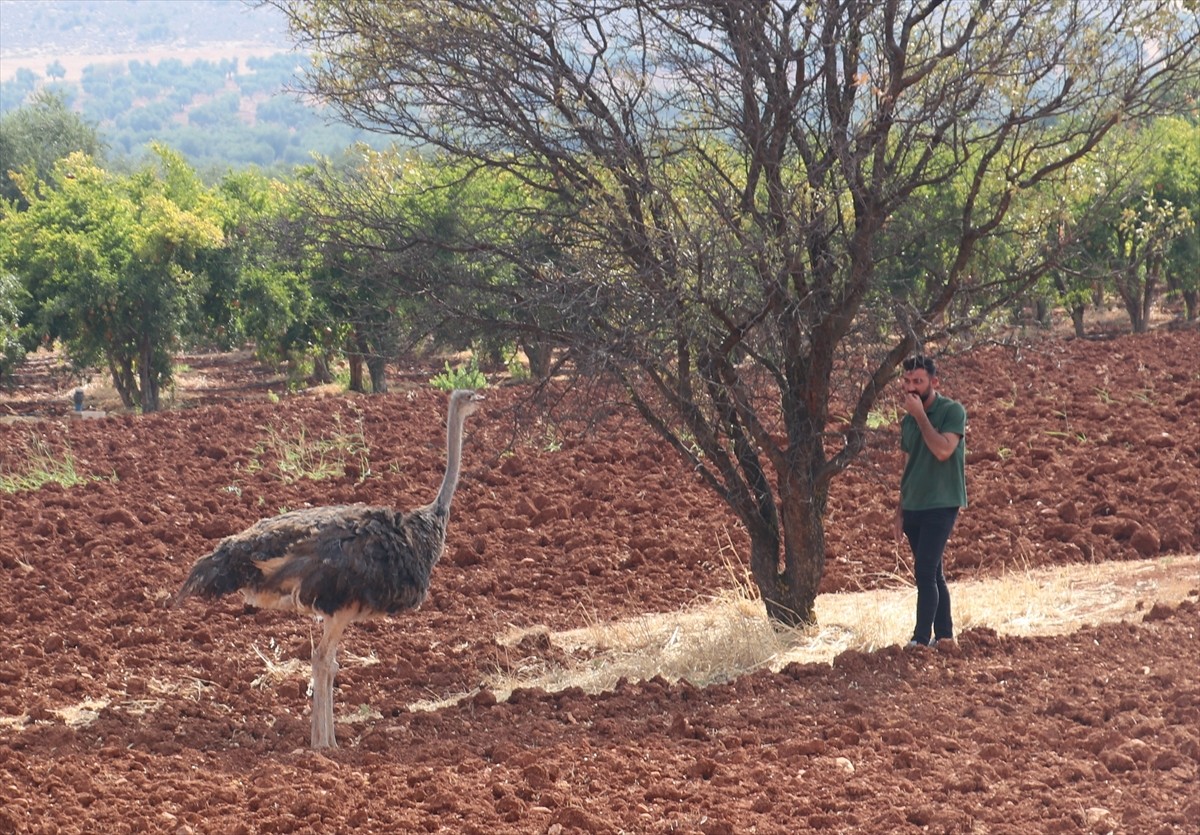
[
  {"x": 110, "y": 261},
  {"x": 13, "y": 337},
  {"x": 1127, "y": 222},
  {"x": 35, "y": 136},
  {"x": 1139, "y": 244},
  {"x": 402, "y": 221},
  {"x": 1177, "y": 182},
  {"x": 256, "y": 292},
  {"x": 372, "y": 232},
  {"x": 720, "y": 177}
]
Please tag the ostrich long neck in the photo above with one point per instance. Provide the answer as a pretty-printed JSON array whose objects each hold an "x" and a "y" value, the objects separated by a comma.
[{"x": 454, "y": 430}]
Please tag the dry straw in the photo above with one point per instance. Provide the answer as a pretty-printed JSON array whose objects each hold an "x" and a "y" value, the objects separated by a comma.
[{"x": 728, "y": 635}]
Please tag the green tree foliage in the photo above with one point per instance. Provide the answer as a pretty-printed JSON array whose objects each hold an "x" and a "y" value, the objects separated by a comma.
[
  {"x": 373, "y": 233},
  {"x": 255, "y": 293},
  {"x": 37, "y": 135},
  {"x": 721, "y": 176},
  {"x": 111, "y": 263},
  {"x": 1177, "y": 183},
  {"x": 16, "y": 91},
  {"x": 1138, "y": 244},
  {"x": 13, "y": 342},
  {"x": 1128, "y": 222},
  {"x": 217, "y": 117}
]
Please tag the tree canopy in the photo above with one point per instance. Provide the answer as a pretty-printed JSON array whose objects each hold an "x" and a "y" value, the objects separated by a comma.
[
  {"x": 37, "y": 135},
  {"x": 110, "y": 261},
  {"x": 726, "y": 184}
]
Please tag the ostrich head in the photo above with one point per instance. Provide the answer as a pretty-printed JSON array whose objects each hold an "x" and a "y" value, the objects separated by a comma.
[{"x": 464, "y": 403}]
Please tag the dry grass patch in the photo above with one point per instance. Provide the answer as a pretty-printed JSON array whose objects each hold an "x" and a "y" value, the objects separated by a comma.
[
  {"x": 82, "y": 714},
  {"x": 728, "y": 635}
]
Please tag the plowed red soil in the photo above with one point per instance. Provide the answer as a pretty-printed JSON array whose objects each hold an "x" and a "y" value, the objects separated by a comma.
[{"x": 119, "y": 713}]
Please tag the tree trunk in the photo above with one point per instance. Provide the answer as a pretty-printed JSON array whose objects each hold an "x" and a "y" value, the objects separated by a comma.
[
  {"x": 147, "y": 376},
  {"x": 1042, "y": 312},
  {"x": 764, "y": 567},
  {"x": 1131, "y": 298},
  {"x": 377, "y": 368},
  {"x": 356, "y": 373},
  {"x": 122, "y": 377},
  {"x": 1153, "y": 270},
  {"x": 1077, "y": 320},
  {"x": 357, "y": 356},
  {"x": 803, "y": 517},
  {"x": 1137, "y": 322},
  {"x": 1191, "y": 298},
  {"x": 321, "y": 373},
  {"x": 790, "y": 594},
  {"x": 540, "y": 355}
]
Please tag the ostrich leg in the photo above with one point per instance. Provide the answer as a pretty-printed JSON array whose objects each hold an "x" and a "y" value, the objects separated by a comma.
[{"x": 324, "y": 668}]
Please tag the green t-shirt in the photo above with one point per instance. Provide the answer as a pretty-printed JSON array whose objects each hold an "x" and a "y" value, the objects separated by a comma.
[{"x": 928, "y": 483}]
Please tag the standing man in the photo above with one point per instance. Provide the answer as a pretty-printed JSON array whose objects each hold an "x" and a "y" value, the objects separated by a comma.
[{"x": 932, "y": 490}]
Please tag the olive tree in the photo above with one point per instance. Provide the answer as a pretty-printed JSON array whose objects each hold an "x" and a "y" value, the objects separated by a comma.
[
  {"x": 36, "y": 135},
  {"x": 720, "y": 180}
]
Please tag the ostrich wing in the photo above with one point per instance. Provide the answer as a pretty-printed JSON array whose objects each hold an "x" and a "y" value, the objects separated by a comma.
[{"x": 326, "y": 559}]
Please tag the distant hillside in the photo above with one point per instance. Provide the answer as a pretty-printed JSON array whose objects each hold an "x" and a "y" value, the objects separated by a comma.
[
  {"x": 97, "y": 27},
  {"x": 168, "y": 71}
]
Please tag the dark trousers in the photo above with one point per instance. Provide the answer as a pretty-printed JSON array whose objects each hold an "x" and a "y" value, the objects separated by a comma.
[{"x": 927, "y": 532}]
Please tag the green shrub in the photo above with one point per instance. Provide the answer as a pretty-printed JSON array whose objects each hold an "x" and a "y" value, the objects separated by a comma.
[{"x": 464, "y": 377}]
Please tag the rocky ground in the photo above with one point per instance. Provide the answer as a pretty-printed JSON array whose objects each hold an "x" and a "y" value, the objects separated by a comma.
[{"x": 120, "y": 713}]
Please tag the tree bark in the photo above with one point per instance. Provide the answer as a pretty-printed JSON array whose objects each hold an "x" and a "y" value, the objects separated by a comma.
[
  {"x": 148, "y": 377},
  {"x": 540, "y": 354},
  {"x": 356, "y": 373},
  {"x": 377, "y": 369},
  {"x": 321, "y": 372},
  {"x": 1077, "y": 312},
  {"x": 122, "y": 377}
]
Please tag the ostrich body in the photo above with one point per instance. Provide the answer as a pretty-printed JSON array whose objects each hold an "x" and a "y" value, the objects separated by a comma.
[{"x": 343, "y": 563}]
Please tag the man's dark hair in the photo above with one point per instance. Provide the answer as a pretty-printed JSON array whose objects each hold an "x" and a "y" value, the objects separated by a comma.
[{"x": 921, "y": 361}]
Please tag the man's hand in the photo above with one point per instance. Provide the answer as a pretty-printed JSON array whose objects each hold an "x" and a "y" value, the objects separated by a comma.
[
  {"x": 898, "y": 524},
  {"x": 912, "y": 404}
]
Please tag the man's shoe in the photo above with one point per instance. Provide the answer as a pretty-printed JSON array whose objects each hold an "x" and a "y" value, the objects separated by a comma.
[{"x": 916, "y": 645}]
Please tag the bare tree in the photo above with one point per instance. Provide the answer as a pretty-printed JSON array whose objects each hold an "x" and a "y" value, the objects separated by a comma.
[{"x": 721, "y": 179}]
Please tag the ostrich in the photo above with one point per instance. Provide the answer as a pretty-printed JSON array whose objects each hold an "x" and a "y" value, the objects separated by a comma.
[{"x": 342, "y": 563}]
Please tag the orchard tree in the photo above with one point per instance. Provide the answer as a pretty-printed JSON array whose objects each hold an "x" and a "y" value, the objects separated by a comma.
[
  {"x": 388, "y": 226},
  {"x": 13, "y": 300},
  {"x": 1177, "y": 182},
  {"x": 109, "y": 261},
  {"x": 373, "y": 233},
  {"x": 1139, "y": 244},
  {"x": 347, "y": 266},
  {"x": 1127, "y": 224},
  {"x": 254, "y": 292},
  {"x": 721, "y": 176},
  {"x": 36, "y": 135}
]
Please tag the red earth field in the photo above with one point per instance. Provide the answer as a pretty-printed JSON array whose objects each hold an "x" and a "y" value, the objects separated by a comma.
[{"x": 120, "y": 713}]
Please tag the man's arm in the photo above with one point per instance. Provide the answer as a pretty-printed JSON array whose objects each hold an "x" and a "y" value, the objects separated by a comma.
[{"x": 941, "y": 444}]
